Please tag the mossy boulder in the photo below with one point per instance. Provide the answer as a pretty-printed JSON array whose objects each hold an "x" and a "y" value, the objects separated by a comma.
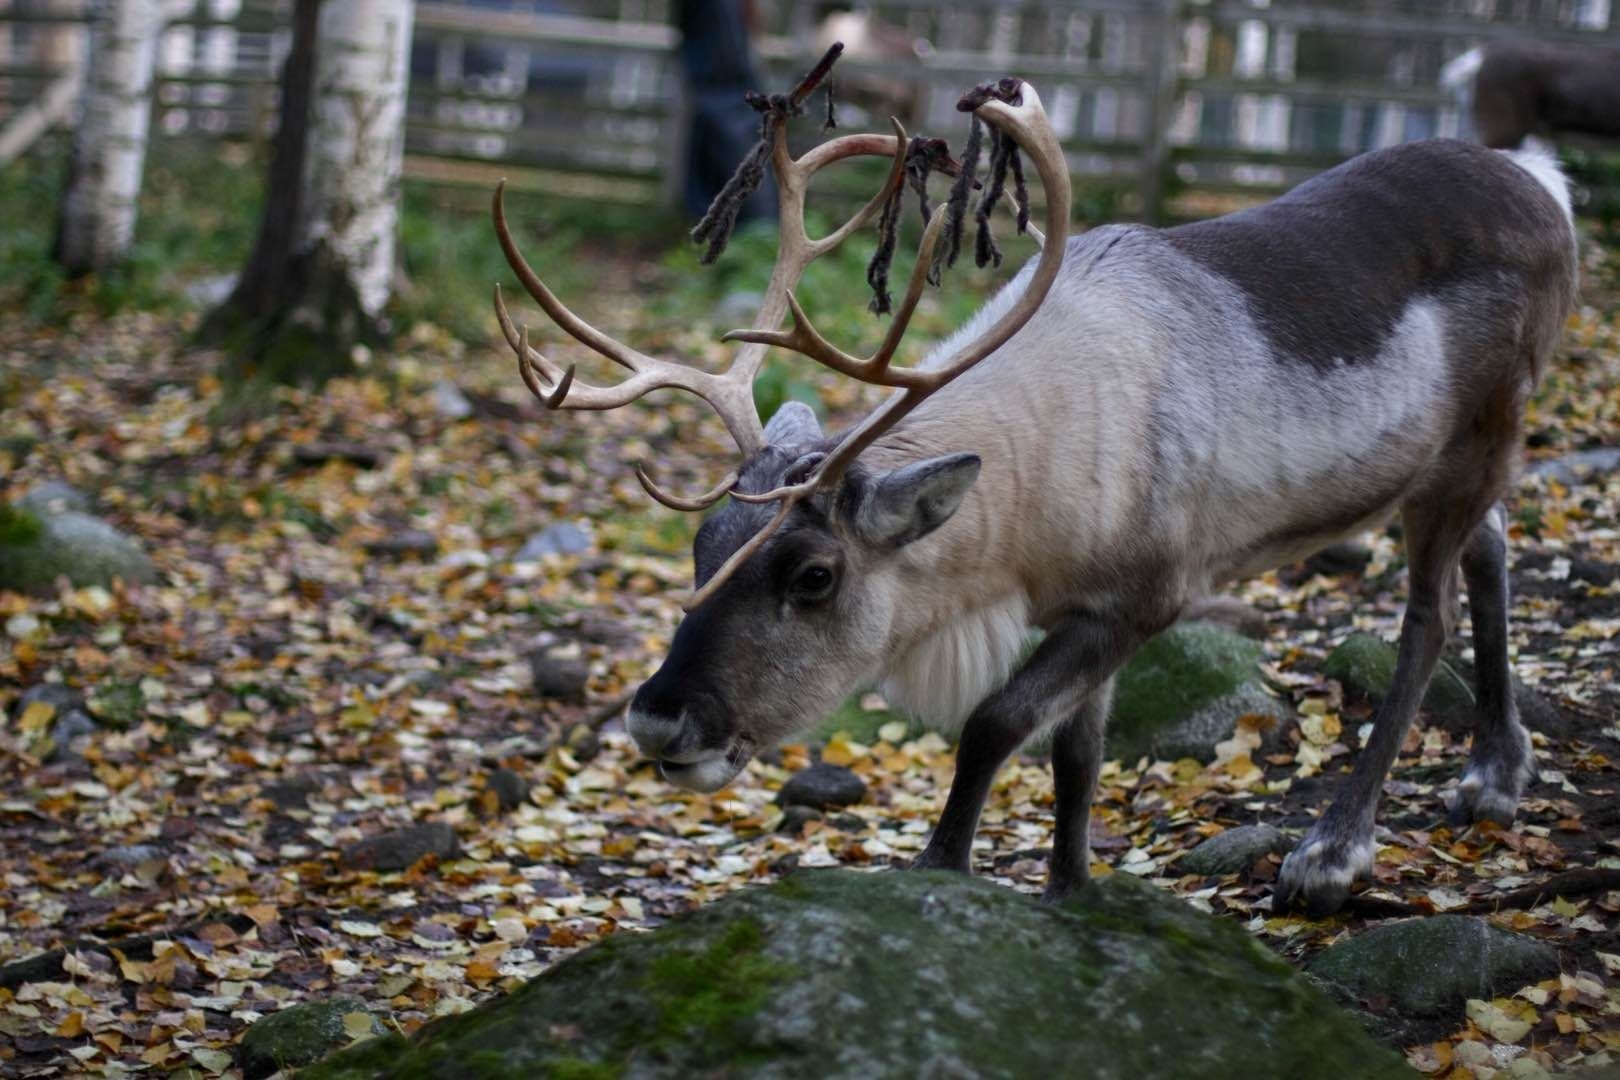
[
  {"x": 1364, "y": 664},
  {"x": 843, "y": 974},
  {"x": 36, "y": 547},
  {"x": 303, "y": 1034},
  {"x": 1185, "y": 690},
  {"x": 1431, "y": 966}
]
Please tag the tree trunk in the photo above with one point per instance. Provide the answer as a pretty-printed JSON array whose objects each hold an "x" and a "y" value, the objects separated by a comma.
[
  {"x": 318, "y": 280},
  {"x": 97, "y": 217}
]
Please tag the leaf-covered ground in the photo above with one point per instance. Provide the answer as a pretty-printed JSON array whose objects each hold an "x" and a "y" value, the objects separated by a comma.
[{"x": 341, "y": 647}]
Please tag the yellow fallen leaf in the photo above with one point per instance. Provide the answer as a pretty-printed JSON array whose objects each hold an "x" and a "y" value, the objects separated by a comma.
[
  {"x": 357, "y": 1025},
  {"x": 37, "y": 717},
  {"x": 1496, "y": 1023}
]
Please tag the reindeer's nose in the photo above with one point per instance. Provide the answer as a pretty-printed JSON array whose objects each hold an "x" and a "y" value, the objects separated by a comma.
[{"x": 654, "y": 729}]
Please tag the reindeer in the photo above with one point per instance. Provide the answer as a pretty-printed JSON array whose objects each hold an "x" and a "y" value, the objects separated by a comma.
[
  {"x": 1515, "y": 90},
  {"x": 1140, "y": 415}
]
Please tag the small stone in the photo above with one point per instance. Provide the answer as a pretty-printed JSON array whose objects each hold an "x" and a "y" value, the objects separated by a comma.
[
  {"x": 449, "y": 402},
  {"x": 559, "y": 675},
  {"x": 402, "y": 848},
  {"x": 511, "y": 790},
  {"x": 602, "y": 630},
  {"x": 583, "y": 742},
  {"x": 70, "y": 725},
  {"x": 300, "y": 1035},
  {"x": 405, "y": 542},
  {"x": 1234, "y": 850},
  {"x": 130, "y": 857},
  {"x": 54, "y": 497},
  {"x": 1592, "y": 571},
  {"x": 291, "y": 794},
  {"x": 795, "y": 817},
  {"x": 465, "y": 559},
  {"x": 821, "y": 786},
  {"x": 559, "y": 538},
  {"x": 365, "y": 455},
  {"x": 57, "y": 696}
]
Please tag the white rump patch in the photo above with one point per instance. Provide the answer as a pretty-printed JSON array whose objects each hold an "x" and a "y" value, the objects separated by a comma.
[
  {"x": 1537, "y": 159},
  {"x": 1458, "y": 75},
  {"x": 943, "y": 677}
]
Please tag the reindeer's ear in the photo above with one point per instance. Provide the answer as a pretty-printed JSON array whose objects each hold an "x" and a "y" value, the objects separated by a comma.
[
  {"x": 910, "y": 503},
  {"x": 794, "y": 424}
]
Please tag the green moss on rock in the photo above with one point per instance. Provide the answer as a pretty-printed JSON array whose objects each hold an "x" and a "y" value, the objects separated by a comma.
[
  {"x": 299, "y": 1035},
  {"x": 842, "y": 974},
  {"x": 1185, "y": 690},
  {"x": 1432, "y": 966},
  {"x": 1364, "y": 664},
  {"x": 37, "y": 548}
]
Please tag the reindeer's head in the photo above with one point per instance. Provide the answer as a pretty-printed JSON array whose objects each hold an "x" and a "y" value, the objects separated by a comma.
[{"x": 798, "y": 578}]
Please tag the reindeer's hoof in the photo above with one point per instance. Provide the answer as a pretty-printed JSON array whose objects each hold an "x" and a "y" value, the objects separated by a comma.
[
  {"x": 1480, "y": 796},
  {"x": 1492, "y": 783},
  {"x": 1316, "y": 876},
  {"x": 1056, "y": 892},
  {"x": 932, "y": 859}
]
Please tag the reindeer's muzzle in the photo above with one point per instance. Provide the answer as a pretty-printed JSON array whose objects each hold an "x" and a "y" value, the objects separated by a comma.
[{"x": 690, "y": 735}]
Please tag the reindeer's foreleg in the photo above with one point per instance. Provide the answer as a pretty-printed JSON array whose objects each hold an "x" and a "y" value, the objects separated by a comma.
[
  {"x": 1077, "y": 754},
  {"x": 1057, "y": 683}
]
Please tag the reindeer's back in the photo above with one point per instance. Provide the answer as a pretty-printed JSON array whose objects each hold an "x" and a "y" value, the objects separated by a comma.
[{"x": 1329, "y": 269}]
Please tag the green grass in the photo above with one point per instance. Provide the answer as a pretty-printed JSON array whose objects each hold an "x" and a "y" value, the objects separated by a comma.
[{"x": 199, "y": 213}]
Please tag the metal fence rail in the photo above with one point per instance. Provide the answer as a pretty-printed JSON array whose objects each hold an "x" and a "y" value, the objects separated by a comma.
[{"x": 1162, "y": 99}]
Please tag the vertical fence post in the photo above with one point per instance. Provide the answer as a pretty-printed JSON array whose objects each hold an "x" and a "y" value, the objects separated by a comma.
[{"x": 1162, "y": 38}]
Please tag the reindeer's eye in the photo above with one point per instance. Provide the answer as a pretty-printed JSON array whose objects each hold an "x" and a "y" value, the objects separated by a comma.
[{"x": 814, "y": 582}]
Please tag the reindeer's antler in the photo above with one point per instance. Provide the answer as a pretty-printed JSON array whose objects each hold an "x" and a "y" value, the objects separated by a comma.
[{"x": 1011, "y": 106}]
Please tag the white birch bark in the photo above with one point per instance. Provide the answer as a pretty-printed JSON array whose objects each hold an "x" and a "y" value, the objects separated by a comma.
[
  {"x": 356, "y": 142},
  {"x": 109, "y": 147}
]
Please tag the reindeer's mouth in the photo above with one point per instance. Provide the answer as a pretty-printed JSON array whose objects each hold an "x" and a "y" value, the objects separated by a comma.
[{"x": 709, "y": 770}]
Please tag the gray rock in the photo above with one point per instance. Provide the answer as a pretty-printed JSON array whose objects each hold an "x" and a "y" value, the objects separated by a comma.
[
  {"x": 559, "y": 675},
  {"x": 917, "y": 974},
  {"x": 1364, "y": 664},
  {"x": 54, "y": 497},
  {"x": 558, "y": 538},
  {"x": 1430, "y": 967},
  {"x": 822, "y": 785},
  {"x": 401, "y": 848},
  {"x": 37, "y": 548},
  {"x": 292, "y": 793},
  {"x": 511, "y": 790},
  {"x": 299, "y": 1035},
  {"x": 449, "y": 402},
  {"x": 69, "y": 721},
  {"x": 1575, "y": 467},
  {"x": 1234, "y": 850},
  {"x": 1185, "y": 691}
]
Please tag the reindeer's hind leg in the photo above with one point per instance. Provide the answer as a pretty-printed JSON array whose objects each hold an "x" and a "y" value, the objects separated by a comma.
[
  {"x": 1501, "y": 762},
  {"x": 1338, "y": 850}
]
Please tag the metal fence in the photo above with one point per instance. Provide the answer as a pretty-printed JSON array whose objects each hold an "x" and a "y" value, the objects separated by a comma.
[{"x": 1164, "y": 99}]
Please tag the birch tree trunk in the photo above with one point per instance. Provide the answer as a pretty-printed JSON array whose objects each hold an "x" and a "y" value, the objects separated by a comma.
[
  {"x": 97, "y": 216},
  {"x": 318, "y": 281}
]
